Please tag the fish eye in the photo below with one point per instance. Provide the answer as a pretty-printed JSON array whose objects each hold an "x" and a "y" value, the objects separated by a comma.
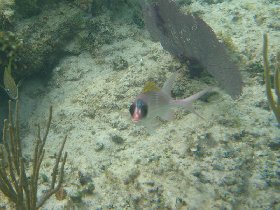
[
  {"x": 132, "y": 108},
  {"x": 143, "y": 107}
]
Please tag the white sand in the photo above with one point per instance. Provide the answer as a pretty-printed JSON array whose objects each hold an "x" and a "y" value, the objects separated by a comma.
[{"x": 221, "y": 163}]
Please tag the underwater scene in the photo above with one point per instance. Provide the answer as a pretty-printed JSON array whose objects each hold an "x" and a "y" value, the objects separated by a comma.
[{"x": 139, "y": 104}]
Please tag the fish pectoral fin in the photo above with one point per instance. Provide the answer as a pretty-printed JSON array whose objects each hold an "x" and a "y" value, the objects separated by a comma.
[
  {"x": 150, "y": 125},
  {"x": 196, "y": 113},
  {"x": 168, "y": 115},
  {"x": 152, "y": 128},
  {"x": 192, "y": 110}
]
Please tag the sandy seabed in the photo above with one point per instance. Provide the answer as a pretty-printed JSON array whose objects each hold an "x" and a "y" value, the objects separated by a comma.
[{"x": 227, "y": 161}]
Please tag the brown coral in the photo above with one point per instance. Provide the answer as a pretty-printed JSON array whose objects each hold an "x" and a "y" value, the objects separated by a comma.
[{"x": 14, "y": 181}]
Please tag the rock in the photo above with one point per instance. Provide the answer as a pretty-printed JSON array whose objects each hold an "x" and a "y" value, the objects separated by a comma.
[
  {"x": 228, "y": 180},
  {"x": 98, "y": 146},
  {"x": 89, "y": 188},
  {"x": 117, "y": 139},
  {"x": 84, "y": 179},
  {"x": 218, "y": 166},
  {"x": 119, "y": 64},
  {"x": 76, "y": 197},
  {"x": 132, "y": 175},
  {"x": 44, "y": 38},
  {"x": 6, "y": 14},
  {"x": 274, "y": 144}
]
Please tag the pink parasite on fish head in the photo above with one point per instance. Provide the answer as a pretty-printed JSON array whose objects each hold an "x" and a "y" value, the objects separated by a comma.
[{"x": 138, "y": 110}]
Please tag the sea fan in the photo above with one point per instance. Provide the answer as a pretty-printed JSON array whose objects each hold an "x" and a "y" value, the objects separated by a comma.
[{"x": 189, "y": 38}]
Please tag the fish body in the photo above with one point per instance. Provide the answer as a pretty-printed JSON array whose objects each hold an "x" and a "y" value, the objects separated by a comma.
[
  {"x": 9, "y": 83},
  {"x": 156, "y": 102}
]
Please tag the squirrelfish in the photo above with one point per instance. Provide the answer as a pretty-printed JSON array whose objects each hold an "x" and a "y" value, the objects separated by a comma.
[{"x": 155, "y": 102}]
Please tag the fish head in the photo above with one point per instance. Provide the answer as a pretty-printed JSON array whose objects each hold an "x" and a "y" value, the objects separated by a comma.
[
  {"x": 152, "y": 102},
  {"x": 12, "y": 93},
  {"x": 138, "y": 110}
]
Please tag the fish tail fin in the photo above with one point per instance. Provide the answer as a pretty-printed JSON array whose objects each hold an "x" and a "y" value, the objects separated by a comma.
[
  {"x": 190, "y": 108},
  {"x": 168, "y": 115},
  {"x": 9, "y": 67},
  {"x": 187, "y": 102}
]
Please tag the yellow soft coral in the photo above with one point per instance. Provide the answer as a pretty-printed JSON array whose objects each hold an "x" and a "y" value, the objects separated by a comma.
[{"x": 274, "y": 100}]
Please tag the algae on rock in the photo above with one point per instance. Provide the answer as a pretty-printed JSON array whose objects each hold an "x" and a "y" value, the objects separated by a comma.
[
  {"x": 9, "y": 48},
  {"x": 45, "y": 37},
  {"x": 6, "y": 14},
  {"x": 28, "y": 8}
]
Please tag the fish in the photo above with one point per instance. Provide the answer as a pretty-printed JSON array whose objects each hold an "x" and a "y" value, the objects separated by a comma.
[
  {"x": 154, "y": 102},
  {"x": 9, "y": 83}
]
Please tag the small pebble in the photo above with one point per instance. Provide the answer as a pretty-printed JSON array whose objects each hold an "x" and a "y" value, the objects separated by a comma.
[
  {"x": 274, "y": 144},
  {"x": 117, "y": 139},
  {"x": 131, "y": 176},
  {"x": 98, "y": 146},
  {"x": 84, "y": 179},
  {"x": 119, "y": 64}
]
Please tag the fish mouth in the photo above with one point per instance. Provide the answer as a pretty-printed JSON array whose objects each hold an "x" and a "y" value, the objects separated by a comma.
[
  {"x": 136, "y": 117},
  {"x": 135, "y": 120}
]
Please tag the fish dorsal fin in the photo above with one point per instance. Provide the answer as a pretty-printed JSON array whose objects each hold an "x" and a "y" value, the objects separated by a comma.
[
  {"x": 167, "y": 87},
  {"x": 150, "y": 86}
]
